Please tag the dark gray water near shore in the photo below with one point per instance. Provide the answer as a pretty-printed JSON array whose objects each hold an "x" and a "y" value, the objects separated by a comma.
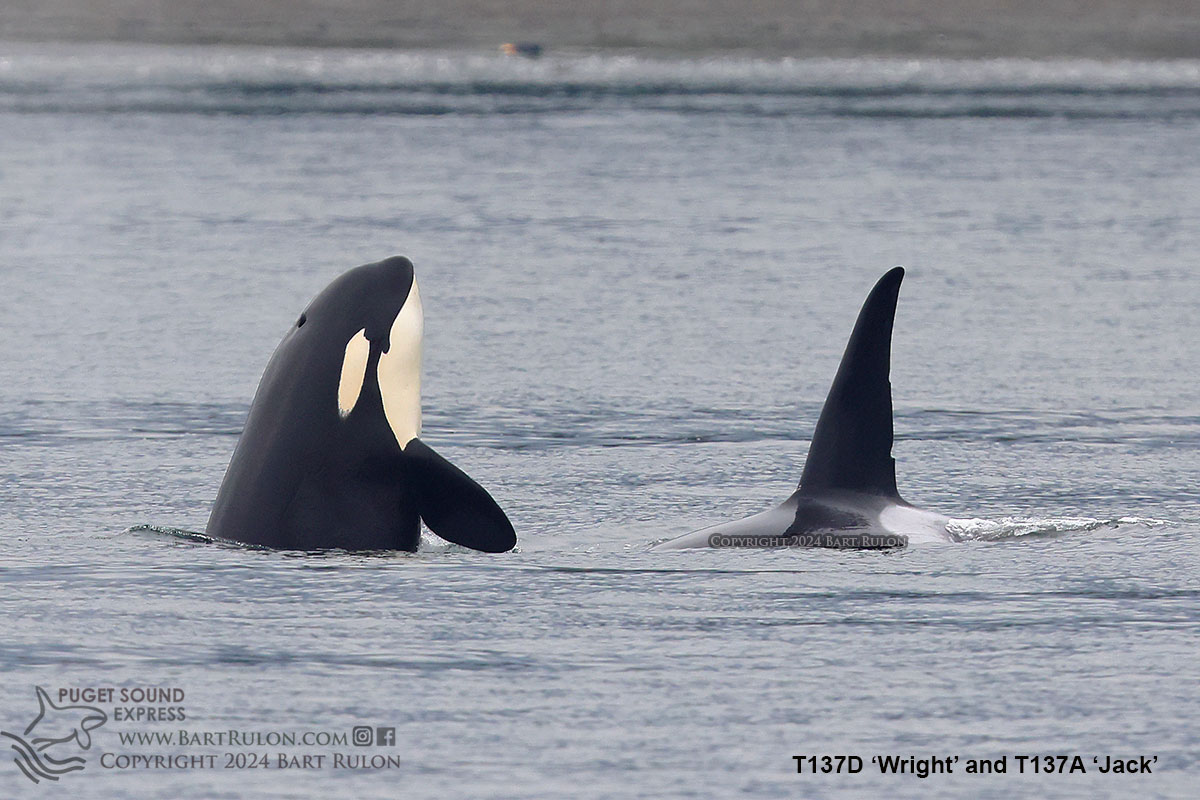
[{"x": 638, "y": 278}]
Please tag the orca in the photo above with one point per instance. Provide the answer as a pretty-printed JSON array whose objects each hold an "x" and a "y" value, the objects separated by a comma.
[
  {"x": 847, "y": 497},
  {"x": 60, "y": 724},
  {"x": 330, "y": 456}
]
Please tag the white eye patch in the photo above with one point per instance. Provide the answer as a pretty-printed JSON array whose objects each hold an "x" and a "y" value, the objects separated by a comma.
[
  {"x": 354, "y": 370},
  {"x": 400, "y": 370}
]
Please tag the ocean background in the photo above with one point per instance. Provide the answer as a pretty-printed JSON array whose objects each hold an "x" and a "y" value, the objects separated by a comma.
[{"x": 638, "y": 276}]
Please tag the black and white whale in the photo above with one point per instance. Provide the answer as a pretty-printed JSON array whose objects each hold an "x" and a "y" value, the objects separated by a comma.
[
  {"x": 847, "y": 495},
  {"x": 329, "y": 457}
]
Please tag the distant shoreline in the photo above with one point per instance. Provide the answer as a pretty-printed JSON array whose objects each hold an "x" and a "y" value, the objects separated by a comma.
[{"x": 1100, "y": 29}]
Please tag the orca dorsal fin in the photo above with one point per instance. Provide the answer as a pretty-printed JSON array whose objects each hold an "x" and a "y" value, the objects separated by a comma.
[{"x": 852, "y": 444}]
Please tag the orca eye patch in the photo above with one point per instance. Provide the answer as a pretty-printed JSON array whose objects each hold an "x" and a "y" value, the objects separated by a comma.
[{"x": 354, "y": 370}]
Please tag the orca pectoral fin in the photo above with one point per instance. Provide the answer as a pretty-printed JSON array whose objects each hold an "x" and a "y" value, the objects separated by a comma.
[{"x": 454, "y": 506}]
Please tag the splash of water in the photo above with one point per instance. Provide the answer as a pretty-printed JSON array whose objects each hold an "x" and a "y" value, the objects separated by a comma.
[{"x": 1006, "y": 528}]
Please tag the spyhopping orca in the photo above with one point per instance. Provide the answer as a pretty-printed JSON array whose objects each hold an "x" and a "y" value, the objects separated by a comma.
[
  {"x": 847, "y": 495},
  {"x": 329, "y": 457}
]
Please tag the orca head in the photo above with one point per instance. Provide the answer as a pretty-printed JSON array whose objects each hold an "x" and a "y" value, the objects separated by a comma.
[
  {"x": 366, "y": 327},
  {"x": 336, "y": 420}
]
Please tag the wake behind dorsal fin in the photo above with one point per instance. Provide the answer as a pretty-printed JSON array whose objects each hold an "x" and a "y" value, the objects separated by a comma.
[{"x": 852, "y": 445}]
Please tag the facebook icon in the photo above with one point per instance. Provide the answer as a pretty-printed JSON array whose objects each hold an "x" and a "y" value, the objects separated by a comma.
[{"x": 385, "y": 736}]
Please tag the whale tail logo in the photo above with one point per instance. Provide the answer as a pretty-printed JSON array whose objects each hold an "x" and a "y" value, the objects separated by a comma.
[{"x": 54, "y": 728}]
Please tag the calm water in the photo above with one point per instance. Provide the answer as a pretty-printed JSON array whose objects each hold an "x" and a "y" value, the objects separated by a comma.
[{"x": 638, "y": 278}]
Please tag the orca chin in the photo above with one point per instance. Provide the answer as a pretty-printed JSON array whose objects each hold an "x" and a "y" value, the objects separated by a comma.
[
  {"x": 847, "y": 497},
  {"x": 330, "y": 456}
]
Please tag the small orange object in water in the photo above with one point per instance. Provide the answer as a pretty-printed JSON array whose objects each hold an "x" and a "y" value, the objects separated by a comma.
[{"x": 527, "y": 49}]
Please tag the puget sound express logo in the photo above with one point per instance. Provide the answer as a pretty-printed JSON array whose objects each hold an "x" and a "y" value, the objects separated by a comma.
[
  {"x": 60, "y": 739},
  {"x": 49, "y": 746}
]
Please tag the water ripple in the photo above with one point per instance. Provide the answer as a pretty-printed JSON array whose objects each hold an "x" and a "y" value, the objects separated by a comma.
[{"x": 250, "y": 81}]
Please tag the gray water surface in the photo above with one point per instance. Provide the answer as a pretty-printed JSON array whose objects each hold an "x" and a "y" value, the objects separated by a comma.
[{"x": 638, "y": 278}]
